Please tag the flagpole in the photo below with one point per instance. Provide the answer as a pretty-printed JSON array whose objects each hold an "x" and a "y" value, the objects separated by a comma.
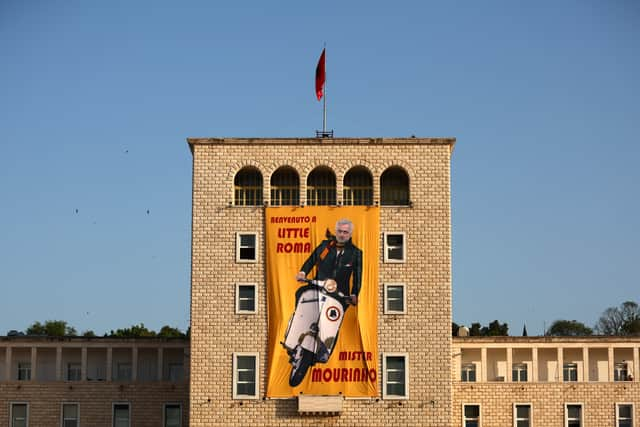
[{"x": 324, "y": 102}]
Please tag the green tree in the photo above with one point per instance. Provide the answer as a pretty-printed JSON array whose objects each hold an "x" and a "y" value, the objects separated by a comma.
[
  {"x": 169, "y": 332},
  {"x": 623, "y": 320},
  {"x": 474, "y": 331},
  {"x": 89, "y": 334},
  {"x": 568, "y": 328},
  {"x": 454, "y": 329},
  {"x": 135, "y": 331},
  {"x": 495, "y": 329},
  {"x": 52, "y": 328}
]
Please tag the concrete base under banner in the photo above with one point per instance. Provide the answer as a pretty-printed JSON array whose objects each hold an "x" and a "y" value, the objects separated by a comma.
[{"x": 317, "y": 405}]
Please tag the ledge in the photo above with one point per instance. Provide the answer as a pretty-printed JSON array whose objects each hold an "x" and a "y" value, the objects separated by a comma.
[{"x": 319, "y": 405}]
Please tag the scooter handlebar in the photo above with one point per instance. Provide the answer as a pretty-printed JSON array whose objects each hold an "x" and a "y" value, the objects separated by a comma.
[{"x": 320, "y": 284}]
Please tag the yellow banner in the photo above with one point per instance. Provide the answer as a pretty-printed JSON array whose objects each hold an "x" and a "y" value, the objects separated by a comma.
[{"x": 323, "y": 336}]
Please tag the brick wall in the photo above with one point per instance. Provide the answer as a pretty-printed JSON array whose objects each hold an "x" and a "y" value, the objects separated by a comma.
[
  {"x": 547, "y": 401},
  {"x": 95, "y": 400},
  {"x": 216, "y": 332}
]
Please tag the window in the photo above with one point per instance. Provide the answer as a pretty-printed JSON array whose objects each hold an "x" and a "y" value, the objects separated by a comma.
[
  {"x": 246, "y": 247},
  {"x": 358, "y": 187},
  {"x": 19, "y": 414},
  {"x": 248, "y": 187},
  {"x": 176, "y": 372},
  {"x": 521, "y": 415},
  {"x": 471, "y": 415},
  {"x": 394, "y": 187},
  {"x": 573, "y": 415},
  {"x": 624, "y": 414},
  {"x": 394, "y": 247},
  {"x": 121, "y": 415},
  {"x": 395, "y": 376},
  {"x": 245, "y": 378},
  {"x": 570, "y": 372},
  {"x": 70, "y": 415},
  {"x": 519, "y": 372},
  {"x": 285, "y": 187},
  {"x": 74, "y": 372},
  {"x": 395, "y": 299},
  {"x": 469, "y": 372},
  {"x": 245, "y": 298},
  {"x": 321, "y": 187},
  {"x": 123, "y": 372},
  {"x": 620, "y": 372},
  {"x": 172, "y": 415},
  {"x": 24, "y": 371}
]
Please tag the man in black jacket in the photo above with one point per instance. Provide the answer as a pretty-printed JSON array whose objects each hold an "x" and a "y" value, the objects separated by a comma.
[{"x": 337, "y": 259}]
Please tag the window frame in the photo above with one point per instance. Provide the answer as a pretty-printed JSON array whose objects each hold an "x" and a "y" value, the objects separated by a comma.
[
  {"x": 566, "y": 412},
  {"x": 78, "y": 371},
  {"x": 618, "y": 405},
  {"x": 239, "y": 246},
  {"x": 62, "y": 419},
  {"x": 567, "y": 369},
  {"x": 516, "y": 367},
  {"x": 385, "y": 394},
  {"x": 24, "y": 367},
  {"x": 386, "y": 247},
  {"x": 389, "y": 191},
  {"x": 14, "y": 403},
  {"x": 244, "y": 191},
  {"x": 279, "y": 190},
  {"x": 465, "y": 379},
  {"x": 464, "y": 416},
  {"x": 164, "y": 412},
  {"x": 113, "y": 412},
  {"x": 255, "y": 298},
  {"x": 515, "y": 413},
  {"x": 235, "y": 395},
  {"x": 387, "y": 310},
  {"x": 618, "y": 368}
]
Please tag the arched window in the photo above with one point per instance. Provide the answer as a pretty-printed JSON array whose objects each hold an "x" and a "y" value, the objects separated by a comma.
[
  {"x": 358, "y": 187},
  {"x": 321, "y": 187},
  {"x": 394, "y": 187},
  {"x": 285, "y": 187},
  {"x": 248, "y": 187}
]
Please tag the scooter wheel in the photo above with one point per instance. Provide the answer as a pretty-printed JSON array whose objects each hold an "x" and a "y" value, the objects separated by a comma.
[{"x": 300, "y": 368}]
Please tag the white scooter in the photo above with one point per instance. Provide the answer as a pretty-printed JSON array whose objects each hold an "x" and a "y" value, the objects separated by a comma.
[{"x": 313, "y": 328}]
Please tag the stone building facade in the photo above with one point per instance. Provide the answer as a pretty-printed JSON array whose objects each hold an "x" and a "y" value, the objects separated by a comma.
[
  {"x": 409, "y": 181},
  {"x": 76, "y": 381}
]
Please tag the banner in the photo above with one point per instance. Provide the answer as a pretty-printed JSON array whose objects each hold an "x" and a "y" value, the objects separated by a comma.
[{"x": 323, "y": 337}]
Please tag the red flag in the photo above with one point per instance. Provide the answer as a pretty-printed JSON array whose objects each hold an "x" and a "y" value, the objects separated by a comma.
[{"x": 320, "y": 77}]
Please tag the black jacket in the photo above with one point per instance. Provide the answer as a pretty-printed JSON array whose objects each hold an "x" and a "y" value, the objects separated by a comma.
[{"x": 341, "y": 270}]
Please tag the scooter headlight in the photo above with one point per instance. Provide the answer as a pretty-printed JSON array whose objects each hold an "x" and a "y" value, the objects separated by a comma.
[{"x": 330, "y": 285}]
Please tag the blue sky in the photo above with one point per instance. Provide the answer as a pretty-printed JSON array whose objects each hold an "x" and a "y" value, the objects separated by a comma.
[{"x": 97, "y": 98}]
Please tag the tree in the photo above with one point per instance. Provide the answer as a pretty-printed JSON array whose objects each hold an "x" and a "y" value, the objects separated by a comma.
[
  {"x": 494, "y": 329},
  {"x": 623, "y": 320},
  {"x": 89, "y": 334},
  {"x": 135, "y": 331},
  {"x": 569, "y": 328},
  {"x": 169, "y": 332},
  {"x": 454, "y": 329},
  {"x": 52, "y": 328}
]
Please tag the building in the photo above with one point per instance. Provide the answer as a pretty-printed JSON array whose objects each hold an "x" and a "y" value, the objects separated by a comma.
[
  {"x": 424, "y": 376},
  {"x": 76, "y": 381},
  {"x": 235, "y": 183}
]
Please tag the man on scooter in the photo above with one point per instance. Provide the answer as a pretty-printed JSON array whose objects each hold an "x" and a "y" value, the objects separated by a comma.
[{"x": 337, "y": 259}]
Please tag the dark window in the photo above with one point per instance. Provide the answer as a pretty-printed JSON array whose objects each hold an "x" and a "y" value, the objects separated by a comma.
[
  {"x": 321, "y": 187},
  {"x": 285, "y": 187},
  {"x": 358, "y": 187},
  {"x": 394, "y": 187},
  {"x": 246, "y": 298},
  {"x": 172, "y": 415},
  {"x": 248, "y": 187}
]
